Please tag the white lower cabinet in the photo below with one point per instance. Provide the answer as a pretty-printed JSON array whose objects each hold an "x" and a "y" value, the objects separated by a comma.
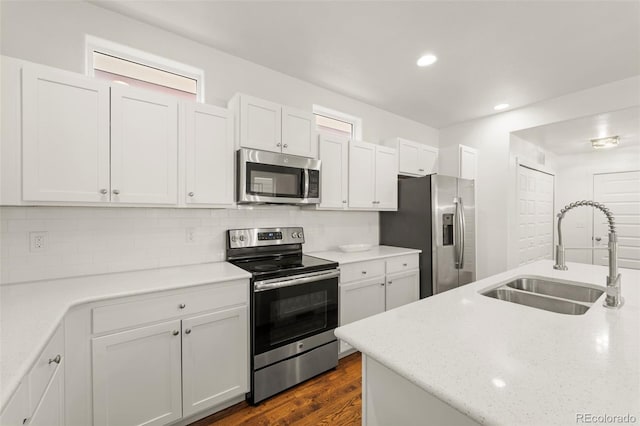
[
  {"x": 50, "y": 410},
  {"x": 402, "y": 288},
  {"x": 16, "y": 412},
  {"x": 214, "y": 359}
]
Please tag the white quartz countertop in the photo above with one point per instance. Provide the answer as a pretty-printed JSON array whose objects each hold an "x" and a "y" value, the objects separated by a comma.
[
  {"x": 502, "y": 363},
  {"x": 31, "y": 312},
  {"x": 376, "y": 252}
]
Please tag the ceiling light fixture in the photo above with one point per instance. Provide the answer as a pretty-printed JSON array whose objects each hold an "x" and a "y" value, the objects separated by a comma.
[
  {"x": 608, "y": 142},
  {"x": 500, "y": 107},
  {"x": 426, "y": 60}
]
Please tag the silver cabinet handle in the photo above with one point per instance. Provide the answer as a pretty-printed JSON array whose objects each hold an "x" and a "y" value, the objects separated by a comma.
[
  {"x": 278, "y": 145},
  {"x": 56, "y": 360},
  {"x": 598, "y": 239},
  {"x": 285, "y": 146},
  {"x": 191, "y": 194},
  {"x": 421, "y": 170},
  {"x": 182, "y": 306},
  {"x": 103, "y": 191},
  {"x": 175, "y": 332},
  {"x": 364, "y": 272},
  {"x": 116, "y": 191},
  {"x": 390, "y": 282},
  {"x": 404, "y": 264},
  {"x": 187, "y": 331},
  {"x": 382, "y": 284},
  {"x": 344, "y": 201}
]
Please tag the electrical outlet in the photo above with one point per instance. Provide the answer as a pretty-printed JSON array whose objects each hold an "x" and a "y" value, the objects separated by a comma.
[
  {"x": 37, "y": 241},
  {"x": 191, "y": 235}
]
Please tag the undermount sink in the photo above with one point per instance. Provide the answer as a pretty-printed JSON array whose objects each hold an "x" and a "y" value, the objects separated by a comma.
[{"x": 553, "y": 296}]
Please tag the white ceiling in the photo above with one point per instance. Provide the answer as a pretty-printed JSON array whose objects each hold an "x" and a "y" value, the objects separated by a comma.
[
  {"x": 574, "y": 136},
  {"x": 488, "y": 52}
]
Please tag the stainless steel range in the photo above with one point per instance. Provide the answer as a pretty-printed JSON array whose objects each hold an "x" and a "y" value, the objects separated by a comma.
[{"x": 294, "y": 308}]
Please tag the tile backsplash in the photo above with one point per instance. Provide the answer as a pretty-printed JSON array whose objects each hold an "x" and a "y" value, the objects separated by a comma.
[{"x": 83, "y": 241}]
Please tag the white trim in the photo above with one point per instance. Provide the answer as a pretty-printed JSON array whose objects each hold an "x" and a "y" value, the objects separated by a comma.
[
  {"x": 93, "y": 43},
  {"x": 534, "y": 166},
  {"x": 338, "y": 115}
]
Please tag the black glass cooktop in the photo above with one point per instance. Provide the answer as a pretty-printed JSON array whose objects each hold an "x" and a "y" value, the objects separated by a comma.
[{"x": 282, "y": 266}]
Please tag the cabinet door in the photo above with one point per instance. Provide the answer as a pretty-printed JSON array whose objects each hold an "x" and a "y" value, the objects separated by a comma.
[
  {"x": 427, "y": 160},
  {"x": 334, "y": 178},
  {"x": 386, "y": 178},
  {"x": 16, "y": 411},
  {"x": 402, "y": 288},
  {"x": 209, "y": 155},
  {"x": 144, "y": 147},
  {"x": 50, "y": 410},
  {"x": 65, "y": 125},
  {"x": 408, "y": 158},
  {"x": 361, "y": 299},
  {"x": 468, "y": 158},
  {"x": 136, "y": 376},
  {"x": 362, "y": 175},
  {"x": 299, "y": 133},
  {"x": 260, "y": 124},
  {"x": 215, "y": 359}
]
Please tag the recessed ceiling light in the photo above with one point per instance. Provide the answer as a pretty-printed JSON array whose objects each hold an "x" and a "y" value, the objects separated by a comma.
[
  {"x": 500, "y": 107},
  {"x": 608, "y": 142},
  {"x": 426, "y": 60}
]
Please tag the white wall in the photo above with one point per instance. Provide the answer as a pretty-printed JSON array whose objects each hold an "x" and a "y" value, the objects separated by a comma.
[{"x": 491, "y": 137}]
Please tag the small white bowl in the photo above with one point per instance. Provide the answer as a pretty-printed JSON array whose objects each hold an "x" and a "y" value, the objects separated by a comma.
[{"x": 350, "y": 248}]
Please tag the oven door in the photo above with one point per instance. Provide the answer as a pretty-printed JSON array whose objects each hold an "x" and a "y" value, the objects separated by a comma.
[
  {"x": 267, "y": 177},
  {"x": 293, "y": 314}
]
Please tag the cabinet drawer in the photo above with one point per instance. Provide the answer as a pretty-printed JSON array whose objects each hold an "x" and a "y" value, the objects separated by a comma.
[
  {"x": 402, "y": 263},
  {"x": 46, "y": 365},
  {"x": 361, "y": 270},
  {"x": 157, "y": 308}
]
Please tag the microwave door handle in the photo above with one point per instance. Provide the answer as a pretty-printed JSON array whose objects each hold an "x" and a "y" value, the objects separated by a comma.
[{"x": 306, "y": 183}]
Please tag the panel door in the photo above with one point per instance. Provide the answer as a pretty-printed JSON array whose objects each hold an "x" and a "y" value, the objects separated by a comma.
[
  {"x": 215, "y": 359},
  {"x": 427, "y": 160},
  {"x": 535, "y": 215},
  {"x": 334, "y": 178},
  {"x": 386, "y": 193},
  {"x": 408, "y": 158},
  {"x": 402, "y": 288},
  {"x": 362, "y": 175},
  {"x": 209, "y": 155},
  {"x": 144, "y": 147},
  {"x": 65, "y": 125},
  {"x": 299, "y": 133},
  {"x": 260, "y": 124},
  {"x": 620, "y": 192},
  {"x": 468, "y": 158},
  {"x": 361, "y": 299},
  {"x": 136, "y": 376},
  {"x": 50, "y": 409}
]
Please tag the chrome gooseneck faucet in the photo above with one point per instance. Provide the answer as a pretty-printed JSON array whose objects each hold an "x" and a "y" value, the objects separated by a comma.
[{"x": 614, "y": 296}]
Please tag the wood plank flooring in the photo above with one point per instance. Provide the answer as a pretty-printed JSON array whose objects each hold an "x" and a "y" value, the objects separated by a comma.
[{"x": 333, "y": 398}]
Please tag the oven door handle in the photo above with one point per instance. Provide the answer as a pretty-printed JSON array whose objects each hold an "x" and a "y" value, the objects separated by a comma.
[{"x": 300, "y": 279}]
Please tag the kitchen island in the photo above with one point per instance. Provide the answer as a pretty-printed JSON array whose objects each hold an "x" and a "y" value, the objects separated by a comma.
[{"x": 464, "y": 358}]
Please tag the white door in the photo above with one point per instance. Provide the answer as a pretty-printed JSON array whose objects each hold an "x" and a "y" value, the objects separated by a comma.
[
  {"x": 209, "y": 155},
  {"x": 427, "y": 160},
  {"x": 334, "y": 179},
  {"x": 402, "y": 288},
  {"x": 65, "y": 125},
  {"x": 260, "y": 124},
  {"x": 360, "y": 300},
  {"x": 386, "y": 193},
  {"x": 136, "y": 376},
  {"x": 535, "y": 215},
  {"x": 144, "y": 147},
  {"x": 362, "y": 174},
  {"x": 468, "y": 162},
  {"x": 215, "y": 359},
  {"x": 50, "y": 409},
  {"x": 620, "y": 192},
  {"x": 408, "y": 157},
  {"x": 298, "y": 133}
]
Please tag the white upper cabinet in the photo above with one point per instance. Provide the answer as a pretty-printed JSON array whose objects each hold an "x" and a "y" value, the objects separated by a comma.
[
  {"x": 334, "y": 179},
  {"x": 209, "y": 155},
  {"x": 144, "y": 147},
  {"x": 459, "y": 161},
  {"x": 414, "y": 159},
  {"x": 65, "y": 126},
  {"x": 386, "y": 178},
  {"x": 269, "y": 126},
  {"x": 373, "y": 174},
  {"x": 298, "y": 132}
]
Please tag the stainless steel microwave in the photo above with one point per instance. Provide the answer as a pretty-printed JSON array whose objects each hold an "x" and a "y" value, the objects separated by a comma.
[{"x": 269, "y": 177}]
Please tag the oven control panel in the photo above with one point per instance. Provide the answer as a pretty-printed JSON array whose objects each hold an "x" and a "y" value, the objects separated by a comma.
[{"x": 260, "y": 237}]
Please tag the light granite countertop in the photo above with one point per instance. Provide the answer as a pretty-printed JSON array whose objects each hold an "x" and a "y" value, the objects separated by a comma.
[
  {"x": 376, "y": 252},
  {"x": 31, "y": 312},
  {"x": 502, "y": 363}
]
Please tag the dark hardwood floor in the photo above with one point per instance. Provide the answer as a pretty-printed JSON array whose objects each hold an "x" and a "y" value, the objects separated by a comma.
[{"x": 333, "y": 398}]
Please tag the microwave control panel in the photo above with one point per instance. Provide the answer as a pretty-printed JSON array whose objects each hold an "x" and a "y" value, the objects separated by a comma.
[{"x": 314, "y": 184}]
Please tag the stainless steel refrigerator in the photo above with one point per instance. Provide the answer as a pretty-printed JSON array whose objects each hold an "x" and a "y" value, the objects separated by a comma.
[{"x": 436, "y": 214}]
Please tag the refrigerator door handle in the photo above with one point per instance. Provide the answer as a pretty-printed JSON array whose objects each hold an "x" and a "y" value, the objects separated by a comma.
[
  {"x": 463, "y": 227},
  {"x": 457, "y": 231}
]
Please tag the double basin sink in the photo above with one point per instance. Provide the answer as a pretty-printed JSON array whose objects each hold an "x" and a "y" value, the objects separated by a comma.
[{"x": 541, "y": 293}]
